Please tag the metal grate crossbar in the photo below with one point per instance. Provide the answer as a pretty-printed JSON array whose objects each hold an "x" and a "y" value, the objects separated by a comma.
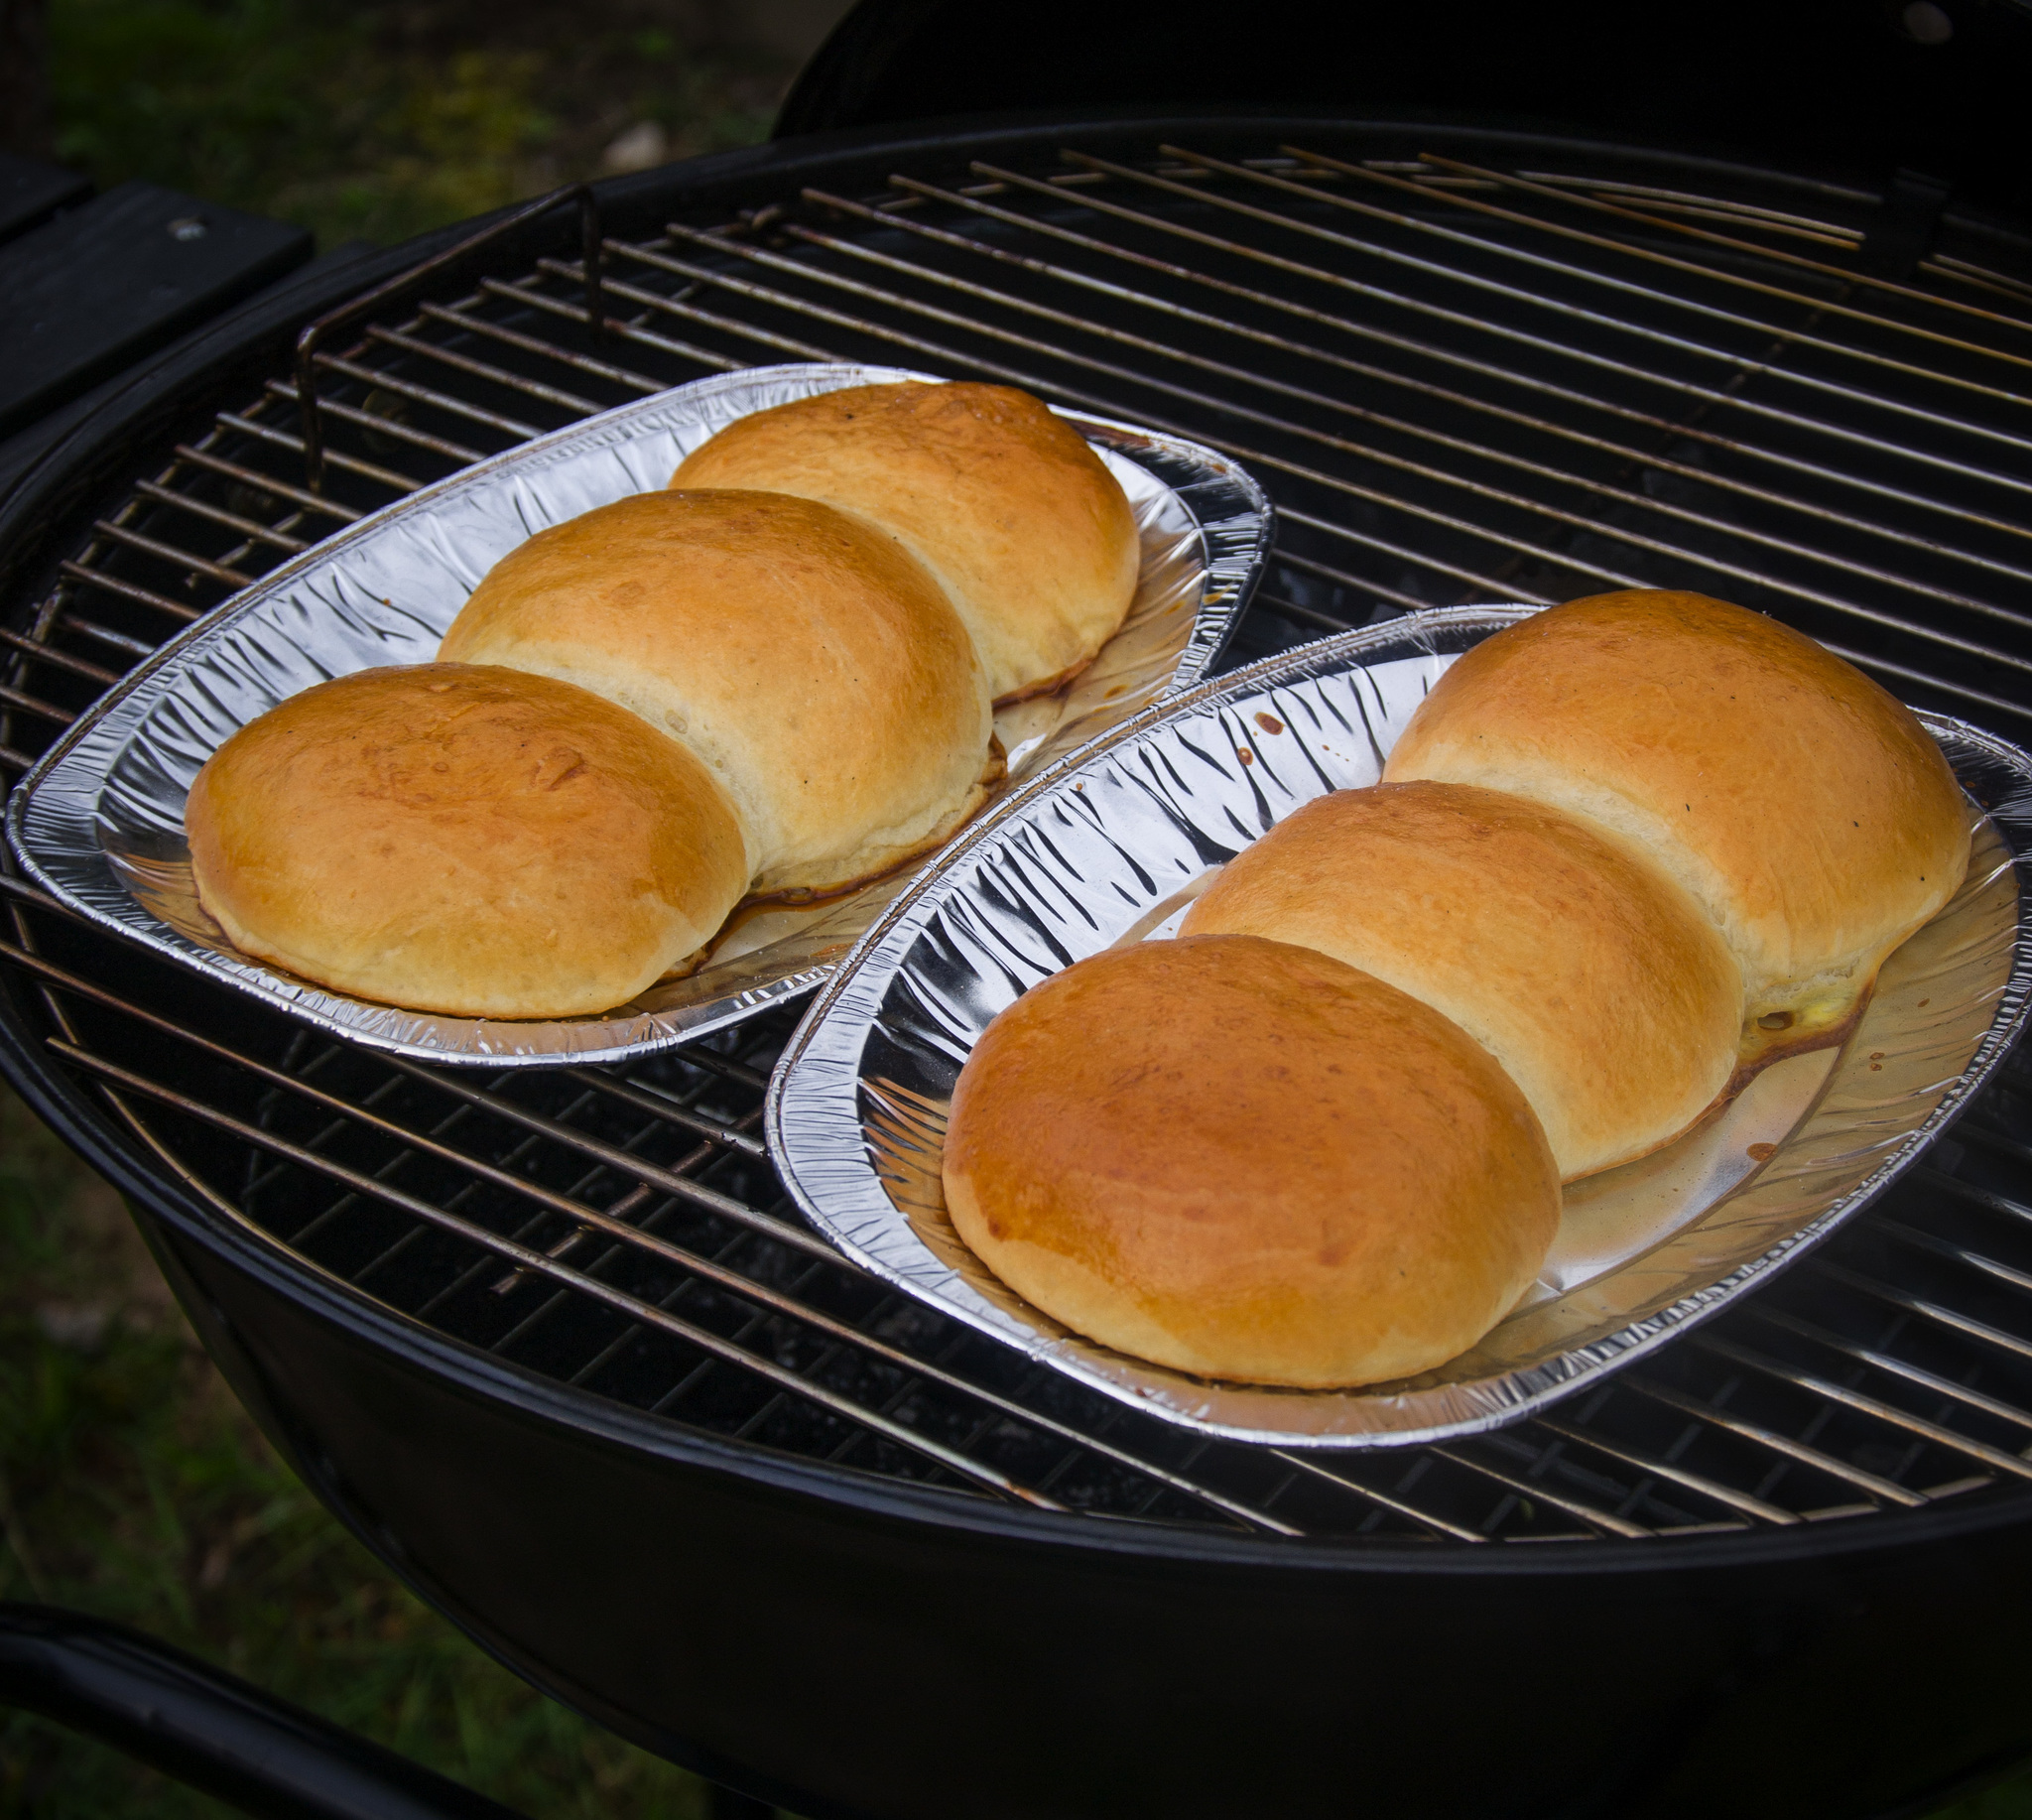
[{"x": 1459, "y": 383}]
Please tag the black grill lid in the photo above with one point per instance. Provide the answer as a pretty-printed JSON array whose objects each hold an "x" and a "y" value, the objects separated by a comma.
[{"x": 1830, "y": 85}]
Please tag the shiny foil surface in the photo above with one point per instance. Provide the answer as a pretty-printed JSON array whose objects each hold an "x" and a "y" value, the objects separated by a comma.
[
  {"x": 1114, "y": 849},
  {"x": 99, "y": 821}
]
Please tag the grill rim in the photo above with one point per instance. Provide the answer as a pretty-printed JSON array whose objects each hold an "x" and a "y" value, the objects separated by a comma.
[{"x": 254, "y": 338}]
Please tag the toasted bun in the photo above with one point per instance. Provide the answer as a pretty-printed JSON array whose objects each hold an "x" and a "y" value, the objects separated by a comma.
[
  {"x": 806, "y": 659},
  {"x": 1246, "y": 1160},
  {"x": 1588, "y": 973},
  {"x": 1807, "y": 812},
  {"x": 1004, "y": 503},
  {"x": 463, "y": 839}
]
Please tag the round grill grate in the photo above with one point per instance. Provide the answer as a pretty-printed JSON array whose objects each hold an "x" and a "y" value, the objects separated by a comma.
[{"x": 1461, "y": 380}]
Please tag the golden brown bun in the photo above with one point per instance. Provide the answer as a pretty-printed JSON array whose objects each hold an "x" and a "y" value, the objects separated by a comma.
[
  {"x": 1586, "y": 973},
  {"x": 810, "y": 663},
  {"x": 1807, "y": 811},
  {"x": 463, "y": 839},
  {"x": 1004, "y": 503},
  {"x": 1246, "y": 1160}
]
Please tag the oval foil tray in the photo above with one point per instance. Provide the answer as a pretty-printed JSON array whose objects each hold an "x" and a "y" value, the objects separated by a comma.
[
  {"x": 1114, "y": 851},
  {"x": 100, "y": 821}
]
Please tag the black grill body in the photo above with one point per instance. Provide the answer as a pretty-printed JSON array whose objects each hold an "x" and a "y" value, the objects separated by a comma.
[
  {"x": 858, "y": 1649},
  {"x": 1784, "y": 1570}
]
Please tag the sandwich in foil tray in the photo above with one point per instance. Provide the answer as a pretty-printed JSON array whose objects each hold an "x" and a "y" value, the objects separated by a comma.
[
  {"x": 1114, "y": 852},
  {"x": 100, "y": 821}
]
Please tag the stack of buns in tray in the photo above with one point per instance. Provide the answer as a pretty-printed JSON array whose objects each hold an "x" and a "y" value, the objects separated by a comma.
[
  {"x": 1625, "y": 852},
  {"x": 775, "y": 679}
]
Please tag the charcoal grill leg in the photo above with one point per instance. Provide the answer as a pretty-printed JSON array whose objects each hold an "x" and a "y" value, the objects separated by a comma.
[{"x": 212, "y": 1730}]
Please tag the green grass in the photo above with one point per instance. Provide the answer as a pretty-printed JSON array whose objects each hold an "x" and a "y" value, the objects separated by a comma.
[
  {"x": 377, "y": 121},
  {"x": 133, "y": 1486},
  {"x": 2010, "y": 1800}
]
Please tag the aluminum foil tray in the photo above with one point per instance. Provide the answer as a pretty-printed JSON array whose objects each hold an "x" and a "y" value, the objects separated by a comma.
[
  {"x": 100, "y": 821},
  {"x": 1112, "y": 850}
]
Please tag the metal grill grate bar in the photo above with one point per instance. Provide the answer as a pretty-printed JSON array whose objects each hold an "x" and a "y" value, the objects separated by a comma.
[
  {"x": 183, "y": 502},
  {"x": 283, "y": 439},
  {"x": 182, "y": 559},
  {"x": 263, "y": 483},
  {"x": 478, "y": 369},
  {"x": 465, "y": 319},
  {"x": 1926, "y": 1309},
  {"x": 1445, "y": 395},
  {"x": 1645, "y": 294},
  {"x": 1880, "y": 1489},
  {"x": 1681, "y": 202},
  {"x": 1522, "y": 182},
  {"x": 385, "y": 426},
  {"x": 1649, "y": 1464},
  {"x": 1263, "y": 460},
  {"x": 631, "y": 332},
  {"x": 428, "y": 395},
  {"x": 1459, "y": 445},
  {"x": 1607, "y": 1522},
  {"x": 1897, "y": 1368},
  {"x": 616, "y": 1158},
  {"x": 1994, "y": 1458},
  {"x": 1686, "y": 429},
  {"x": 127, "y": 590},
  {"x": 61, "y": 659},
  {"x": 1582, "y": 320},
  {"x": 536, "y": 1262},
  {"x": 1819, "y": 306}
]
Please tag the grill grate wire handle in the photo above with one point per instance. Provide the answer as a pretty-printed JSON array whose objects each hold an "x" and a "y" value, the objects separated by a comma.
[
  {"x": 211, "y": 1730},
  {"x": 403, "y": 283}
]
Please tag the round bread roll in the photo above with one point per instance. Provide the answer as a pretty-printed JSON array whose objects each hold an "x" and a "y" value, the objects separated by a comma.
[
  {"x": 1007, "y": 505},
  {"x": 464, "y": 840},
  {"x": 1588, "y": 973},
  {"x": 810, "y": 663},
  {"x": 1809, "y": 813},
  {"x": 1246, "y": 1160}
]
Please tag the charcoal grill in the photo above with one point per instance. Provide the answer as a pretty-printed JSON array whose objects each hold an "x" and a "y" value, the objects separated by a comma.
[{"x": 554, "y": 1344}]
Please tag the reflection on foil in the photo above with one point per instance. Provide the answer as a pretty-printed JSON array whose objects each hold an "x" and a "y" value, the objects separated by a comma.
[
  {"x": 1114, "y": 851},
  {"x": 99, "y": 821}
]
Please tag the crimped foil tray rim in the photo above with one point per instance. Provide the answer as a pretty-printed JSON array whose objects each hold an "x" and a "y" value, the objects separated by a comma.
[
  {"x": 807, "y": 1168},
  {"x": 1215, "y": 615}
]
